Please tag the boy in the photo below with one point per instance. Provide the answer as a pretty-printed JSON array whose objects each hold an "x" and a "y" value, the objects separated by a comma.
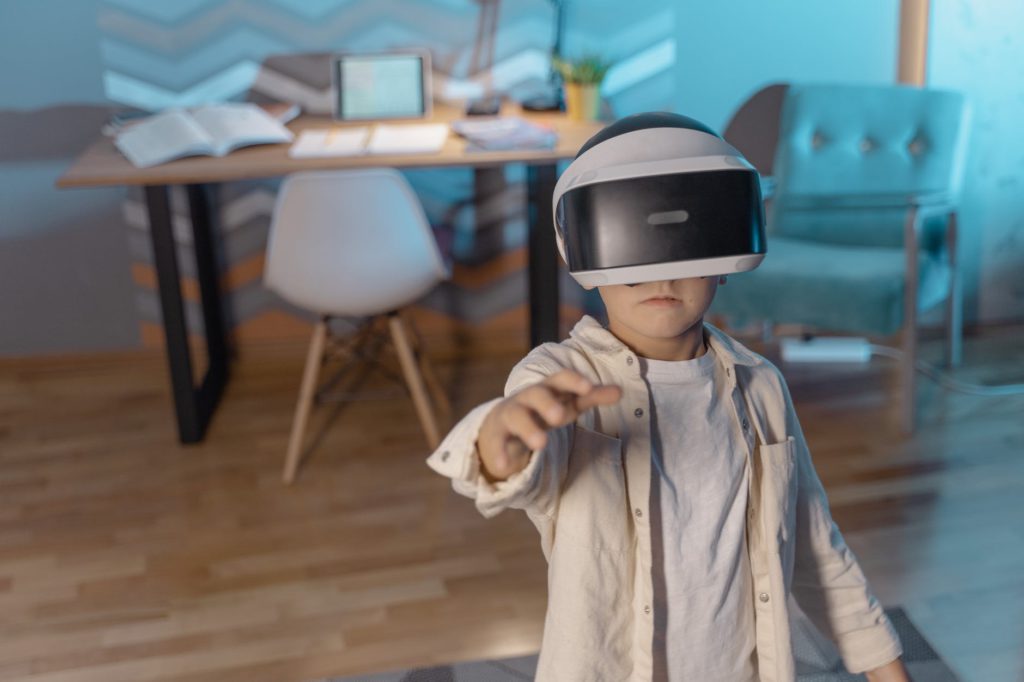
[{"x": 660, "y": 460}]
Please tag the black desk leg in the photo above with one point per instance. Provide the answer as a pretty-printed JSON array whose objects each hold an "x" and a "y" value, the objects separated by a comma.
[
  {"x": 543, "y": 270},
  {"x": 194, "y": 405}
]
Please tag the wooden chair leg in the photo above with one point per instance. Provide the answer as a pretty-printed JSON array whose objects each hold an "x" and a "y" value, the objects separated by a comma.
[
  {"x": 426, "y": 367},
  {"x": 305, "y": 403},
  {"x": 414, "y": 379},
  {"x": 444, "y": 405}
]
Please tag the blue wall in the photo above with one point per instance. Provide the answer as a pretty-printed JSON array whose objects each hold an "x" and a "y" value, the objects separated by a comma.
[
  {"x": 725, "y": 51},
  {"x": 978, "y": 48},
  {"x": 65, "y": 283},
  {"x": 50, "y": 53}
]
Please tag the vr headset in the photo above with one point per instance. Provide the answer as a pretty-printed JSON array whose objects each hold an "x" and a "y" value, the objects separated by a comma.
[{"x": 658, "y": 196}]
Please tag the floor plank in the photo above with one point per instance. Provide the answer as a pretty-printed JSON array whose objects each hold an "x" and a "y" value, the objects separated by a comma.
[{"x": 124, "y": 556}]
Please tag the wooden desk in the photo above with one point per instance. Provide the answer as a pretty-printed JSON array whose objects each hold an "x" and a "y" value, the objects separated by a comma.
[{"x": 102, "y": 165}]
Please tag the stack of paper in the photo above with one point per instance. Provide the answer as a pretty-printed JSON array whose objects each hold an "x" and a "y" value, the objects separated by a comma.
[
  {"x": 324, "y": 143},
  {"x": 419, "y": 138},
  {"x": 494, "y": 134}
]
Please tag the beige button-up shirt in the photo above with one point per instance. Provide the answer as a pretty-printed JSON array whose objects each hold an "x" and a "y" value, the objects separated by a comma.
[{"x": 588, "y": 494}]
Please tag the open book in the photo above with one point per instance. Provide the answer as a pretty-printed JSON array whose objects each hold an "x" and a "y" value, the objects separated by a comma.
[{"x": 213, "y": 130}]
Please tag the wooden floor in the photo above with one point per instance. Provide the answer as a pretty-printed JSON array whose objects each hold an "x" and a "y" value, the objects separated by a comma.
[{"x": 126, "y": 557}]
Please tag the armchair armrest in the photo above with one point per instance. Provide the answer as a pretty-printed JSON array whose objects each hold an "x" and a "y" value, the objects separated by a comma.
[
  {"x": 930, "y": 201},
  {"x": 919, "y": 206},
  {"x": 916, "y": 207}
]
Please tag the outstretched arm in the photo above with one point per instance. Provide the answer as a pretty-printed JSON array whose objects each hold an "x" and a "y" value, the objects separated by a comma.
[
  {"x": 513, "y": 452},
  {"x": 519, "y": 425}
]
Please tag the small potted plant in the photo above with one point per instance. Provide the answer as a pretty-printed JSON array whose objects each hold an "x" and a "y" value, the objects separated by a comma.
[{"x": 582, "y": 81}]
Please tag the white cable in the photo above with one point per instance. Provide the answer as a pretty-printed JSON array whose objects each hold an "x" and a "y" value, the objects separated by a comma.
[{"x": 948, "y": 381}]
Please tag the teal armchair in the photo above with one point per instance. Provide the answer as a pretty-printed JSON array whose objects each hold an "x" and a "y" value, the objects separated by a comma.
[{"x": 862, "y": 226}]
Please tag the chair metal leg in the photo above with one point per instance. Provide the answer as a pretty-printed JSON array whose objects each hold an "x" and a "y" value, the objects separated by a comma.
[
  {"x": 305, "y": 403},
  {"x": 908, "y": 378},
  {"x": 414, "y": 379},
  {"x": 954, "y": 325},
  {"x": 910, "y": 283},
  {"x": 954, "y": 302}
]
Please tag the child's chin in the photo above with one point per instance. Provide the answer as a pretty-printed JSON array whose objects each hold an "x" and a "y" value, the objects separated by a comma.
[{"x": 668, "y": 328}]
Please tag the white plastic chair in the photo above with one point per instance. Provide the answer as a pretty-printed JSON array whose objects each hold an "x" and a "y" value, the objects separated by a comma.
[{"x": 354, "y": 243}]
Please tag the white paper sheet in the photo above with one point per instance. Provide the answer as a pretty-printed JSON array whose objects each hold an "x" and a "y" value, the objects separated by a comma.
[
  {"x": 414, "y": 138},
  {"x": 331, "y": 142}
]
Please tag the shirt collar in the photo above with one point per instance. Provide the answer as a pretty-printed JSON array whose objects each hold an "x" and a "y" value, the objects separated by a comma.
[{"x": 595, "y": 337}]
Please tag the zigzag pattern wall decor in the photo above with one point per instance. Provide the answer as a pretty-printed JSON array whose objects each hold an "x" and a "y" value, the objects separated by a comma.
[{"x": 187, "y": 52}]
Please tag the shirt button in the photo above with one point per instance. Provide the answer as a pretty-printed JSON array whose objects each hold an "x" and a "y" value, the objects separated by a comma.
[
  {"x": 745, "y": 424},
  {"x": 647, "y": 609},
  {"x": 639, "y": 412},
  {"x": 638, "y": 512},
  {"x": 763, "y": 596},
  {"x": 728, "y": 372},
  {"x": 444, "y": 456},
  {"x": 629, "y": 359},
  {"x": 750, "y": 513}
]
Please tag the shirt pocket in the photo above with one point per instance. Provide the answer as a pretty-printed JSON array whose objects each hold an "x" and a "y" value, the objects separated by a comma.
[
  {"x": 592, "y": 509},
  {"x": 779, "y": 488}
]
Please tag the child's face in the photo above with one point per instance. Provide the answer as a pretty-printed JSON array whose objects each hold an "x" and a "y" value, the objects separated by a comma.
[{"x": 657, "y": 311}]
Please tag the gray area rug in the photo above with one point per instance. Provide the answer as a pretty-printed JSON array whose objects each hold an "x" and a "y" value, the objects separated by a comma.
[{"x": 817, "y": 661}]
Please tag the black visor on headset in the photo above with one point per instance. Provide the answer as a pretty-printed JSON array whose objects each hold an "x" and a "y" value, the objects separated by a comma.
[{"x": 662, "y": 218}]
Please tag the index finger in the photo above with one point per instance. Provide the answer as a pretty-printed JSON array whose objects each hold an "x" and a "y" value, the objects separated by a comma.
[
  {"x": 569, "y": 381},
  {"x": 603, "y": 394}
]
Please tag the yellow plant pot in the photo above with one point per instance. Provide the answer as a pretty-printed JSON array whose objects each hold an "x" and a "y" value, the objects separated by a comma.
[{"x": 582, "y": 101}]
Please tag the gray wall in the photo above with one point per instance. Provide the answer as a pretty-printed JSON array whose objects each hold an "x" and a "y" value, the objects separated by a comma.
[{"x": 65, "y": 283}]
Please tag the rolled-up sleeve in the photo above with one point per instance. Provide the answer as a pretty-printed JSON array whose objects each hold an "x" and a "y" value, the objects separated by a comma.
[{"x": 535, "y": 488}]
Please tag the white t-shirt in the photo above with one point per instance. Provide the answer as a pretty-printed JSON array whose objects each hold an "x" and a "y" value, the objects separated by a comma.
[{"x": 704, "y": 611}]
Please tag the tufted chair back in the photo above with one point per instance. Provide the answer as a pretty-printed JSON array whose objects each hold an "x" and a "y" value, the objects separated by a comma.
[{"x": 853, "y": 140}]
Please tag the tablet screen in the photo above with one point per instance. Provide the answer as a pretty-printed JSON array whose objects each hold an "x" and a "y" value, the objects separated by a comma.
[{"x": 380, "y": 86}]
